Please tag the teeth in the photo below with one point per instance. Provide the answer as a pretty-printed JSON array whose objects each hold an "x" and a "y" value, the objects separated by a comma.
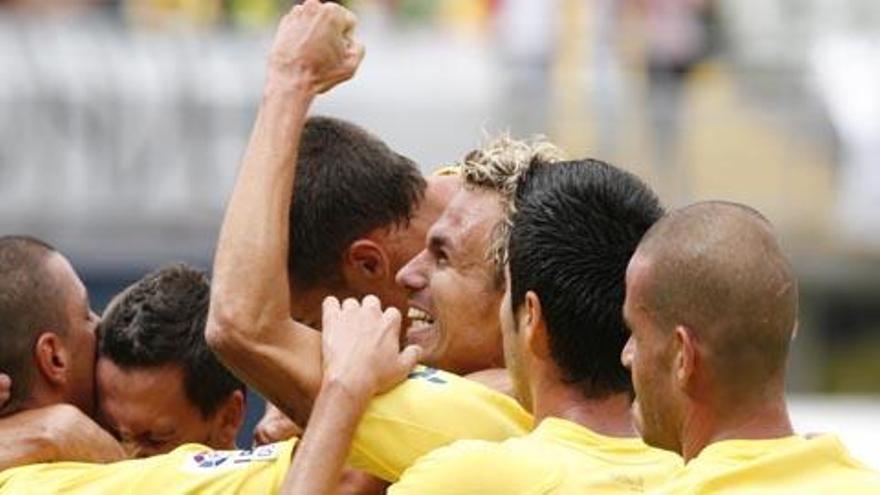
[{"x": 417, "y": 314}]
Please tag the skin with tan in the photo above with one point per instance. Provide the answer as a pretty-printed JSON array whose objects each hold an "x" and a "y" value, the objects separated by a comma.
[
  {"x": 691, "y": 390},
  {"x": 148, "y": 410},
  {"x": 402, "y": 246},
  {"x": 454, "y": 297},
  {"x": 66, "y": 360},
  {"x": 55, "y": 425}
]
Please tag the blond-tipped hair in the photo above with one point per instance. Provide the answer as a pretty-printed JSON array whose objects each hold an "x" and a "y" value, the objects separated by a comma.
[{"x": 497, "y": 167}]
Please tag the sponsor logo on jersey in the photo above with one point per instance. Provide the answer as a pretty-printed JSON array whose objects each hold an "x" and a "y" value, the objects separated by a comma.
[
  {"x": 210, "y": 460},
  {"x": 427, "y": 374}
]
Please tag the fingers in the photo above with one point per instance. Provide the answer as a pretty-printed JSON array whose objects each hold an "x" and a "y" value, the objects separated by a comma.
[
  {"x": 330, "y": 305},
  {"x": 342, "y": 18},
  {"x": 329, "y": 311},
  {"x": 372, "y": 302},
  {"x": 409, "y": 358},
  {"x": 392, "y": 319},
  {"x": 311, "y": 4},
  {"x": 350, "y": 304},
  {"x": 355, "y": 55}
]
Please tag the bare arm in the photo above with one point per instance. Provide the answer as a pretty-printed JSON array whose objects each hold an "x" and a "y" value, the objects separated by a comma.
[
  {"x": 54, "y": 433},
  {"x": 249, "y": 324},
  {"x": 361, "y": 358},
  {"x": 275, "y": 426}
]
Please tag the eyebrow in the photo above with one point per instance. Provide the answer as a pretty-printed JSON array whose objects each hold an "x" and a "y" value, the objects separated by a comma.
[{"x": 439, "y": 241}]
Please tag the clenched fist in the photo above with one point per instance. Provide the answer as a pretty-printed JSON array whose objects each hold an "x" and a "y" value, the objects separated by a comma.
[{"x": 314, "y": 47}]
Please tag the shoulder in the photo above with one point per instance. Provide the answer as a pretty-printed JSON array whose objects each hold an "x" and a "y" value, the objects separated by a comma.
[
  {"x": 429, "y": 410},
  {"x": 473, "y": 466}
]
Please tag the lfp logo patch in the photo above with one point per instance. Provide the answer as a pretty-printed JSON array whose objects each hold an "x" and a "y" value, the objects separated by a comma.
[
  {"x": 428, "y": 374},
  {"x": 211, "y": 460}
]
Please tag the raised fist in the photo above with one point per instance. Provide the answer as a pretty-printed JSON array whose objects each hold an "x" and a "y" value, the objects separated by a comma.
[{"x": 314, "y": 46}]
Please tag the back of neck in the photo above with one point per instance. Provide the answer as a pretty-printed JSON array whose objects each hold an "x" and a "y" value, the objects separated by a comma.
[
  {"x": 761, "y": 421},
  {"x": 609, "y": 416}
]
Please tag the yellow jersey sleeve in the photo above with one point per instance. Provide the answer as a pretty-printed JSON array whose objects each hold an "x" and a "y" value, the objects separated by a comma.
[
  {"x": 487, "y": 468},
  {"x": 429, "y": 410},
  {"x": 188, "y": 469}
]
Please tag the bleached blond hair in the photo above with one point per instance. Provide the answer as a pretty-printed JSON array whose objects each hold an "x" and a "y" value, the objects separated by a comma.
[{"x": 497, "y": 167}]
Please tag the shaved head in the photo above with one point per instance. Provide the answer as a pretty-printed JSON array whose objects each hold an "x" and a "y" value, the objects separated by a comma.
[
  {"x": 718, "y": 269},
  {"x": 31, "y": 302}
]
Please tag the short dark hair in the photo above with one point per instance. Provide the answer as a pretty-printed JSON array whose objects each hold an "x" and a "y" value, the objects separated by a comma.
[
  {"x": 160, "y": 320},
  {"x": 31, "y": 302},
  {"x": 348, "y": 182},
  {"x": 719, "y": 269},
  {"x": 576, "y": 226}
]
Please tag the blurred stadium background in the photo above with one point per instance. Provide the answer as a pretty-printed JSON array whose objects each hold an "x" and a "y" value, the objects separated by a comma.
[{"x": 122, "y": 122}]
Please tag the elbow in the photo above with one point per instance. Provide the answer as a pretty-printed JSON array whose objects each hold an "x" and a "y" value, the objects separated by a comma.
[{"x": 224, "y": 332}]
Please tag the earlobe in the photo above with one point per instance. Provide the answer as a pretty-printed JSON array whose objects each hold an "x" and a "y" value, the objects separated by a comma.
[
  {"x": 230, "y": 418},
  {"x": 51, "y": 358}
]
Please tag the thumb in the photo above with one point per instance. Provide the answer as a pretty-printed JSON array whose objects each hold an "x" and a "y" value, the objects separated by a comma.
[{"x": 409, "y": 358}]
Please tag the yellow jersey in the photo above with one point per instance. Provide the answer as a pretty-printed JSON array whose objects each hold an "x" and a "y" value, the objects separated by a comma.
[
  {"x": 429, "y": 410},
  {"x": 819, "y": 465},
  {"x": 188, "y": 469},
  {"x": 559, "y": 456}
]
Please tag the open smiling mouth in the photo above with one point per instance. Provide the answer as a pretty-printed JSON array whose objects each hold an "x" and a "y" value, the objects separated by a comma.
[{"x": 421, "y": 329}]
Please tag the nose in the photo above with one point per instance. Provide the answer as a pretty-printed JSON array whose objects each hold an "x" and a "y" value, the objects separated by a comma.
[
  {"x": 626, "y": 355},
  {"x": 414, "y": 275}
]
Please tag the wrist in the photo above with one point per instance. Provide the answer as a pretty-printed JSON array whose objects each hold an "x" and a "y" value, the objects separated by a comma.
[
  {"x": 356, "y": 394},
  {"x": 290, "y": 81}
]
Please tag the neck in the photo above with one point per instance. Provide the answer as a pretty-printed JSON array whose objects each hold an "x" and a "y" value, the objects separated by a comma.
[
  {"x": 609, "y": 416},
  {"x": 767, "y": 419},
  {"x": 39, "y": 397}
]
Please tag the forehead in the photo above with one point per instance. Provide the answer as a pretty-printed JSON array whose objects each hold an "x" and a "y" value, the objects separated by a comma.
[
  {"x": 441, "y": 190},
  {"x": 140, "y": 395},
  {"x": 468, "y": 221}
]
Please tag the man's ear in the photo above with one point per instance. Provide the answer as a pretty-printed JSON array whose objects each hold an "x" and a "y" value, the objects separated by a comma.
[
  {"x": 686, "y": 359},
  {"x": 366, "y": 259},
  {"x": 228, "y": 420},
  {"x": 534, "y": 327},
  {"x": 52, "y": 359}
]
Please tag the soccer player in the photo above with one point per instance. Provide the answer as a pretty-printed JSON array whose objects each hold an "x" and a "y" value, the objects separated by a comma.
[
  {"x": 47, "y": 353},
  {"x": 59, "y": 366},
  {"x": 359, "y": 211},
  {"x": 575, "y": 226},
  {"x": 311, "y": 54},
  {"x": 250, "y": 323},
  {"x": 712, "y": 302},
  {"x": 159, "y": 386},
  {"x": 455, "y": 283}
]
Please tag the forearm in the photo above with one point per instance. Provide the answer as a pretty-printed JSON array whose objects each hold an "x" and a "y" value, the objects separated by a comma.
[
  {"x": 285, "y": 369},
  {"x": 249, "y": 324},
  {"x": 250, "y": 288},
  {"x": 321, "y": 455},
  {"x": 54, "y": 433},
  {"x": 26, "y": 440}
]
